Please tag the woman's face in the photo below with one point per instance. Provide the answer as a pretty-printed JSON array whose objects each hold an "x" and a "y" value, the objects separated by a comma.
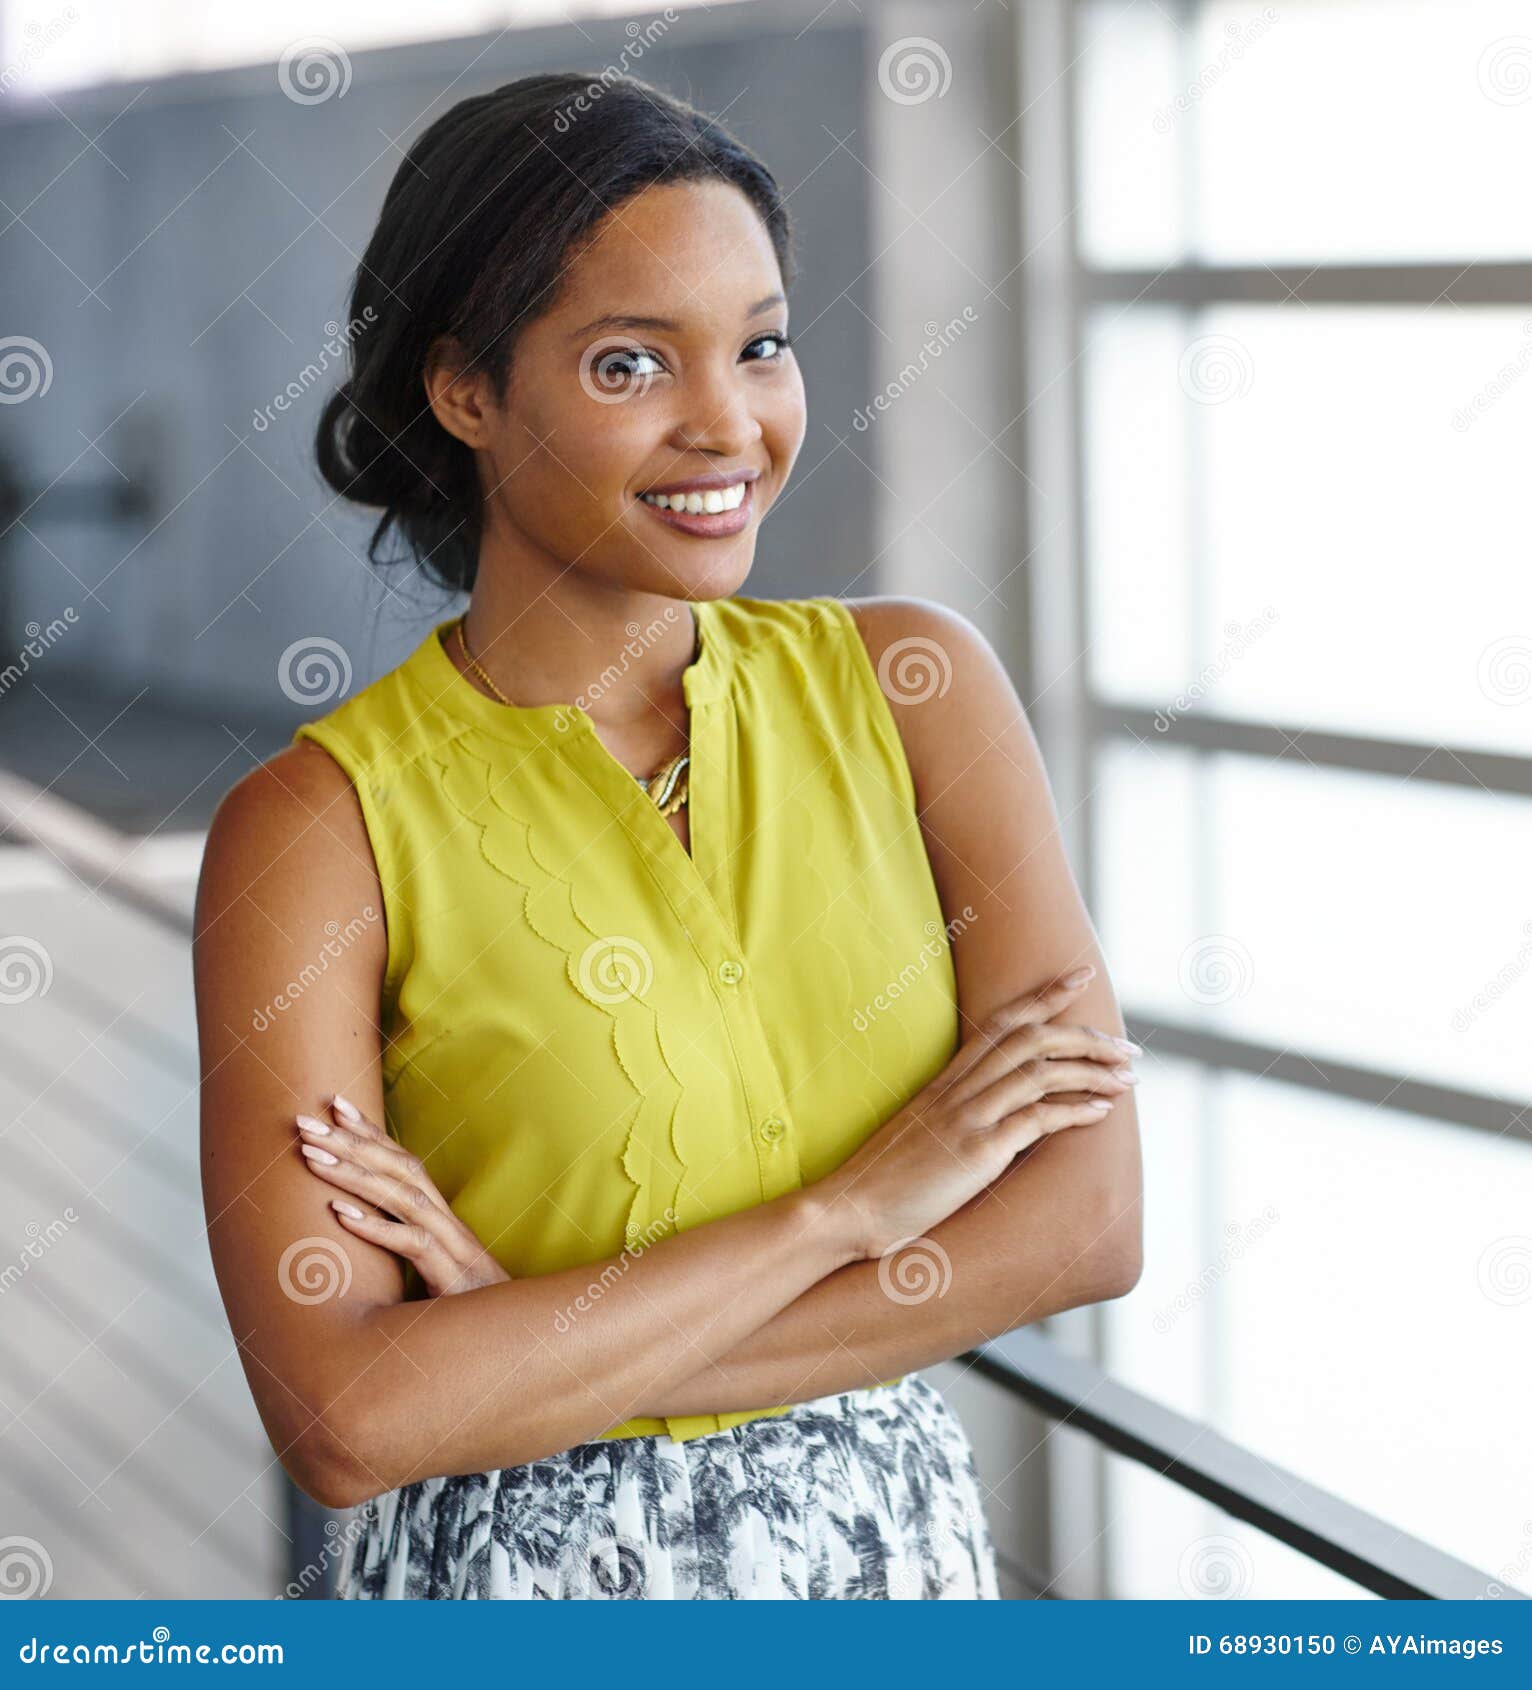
[{"x": 603, "y": 407}]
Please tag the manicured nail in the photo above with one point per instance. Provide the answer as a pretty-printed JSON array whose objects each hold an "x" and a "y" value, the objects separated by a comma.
[
  {"x": 346, "y": 1208},
  {"x": 1129, "y": 1046},
  {"x": 315, "y": 1154},
  {"x": 1080, "y": 976},
  {"x": 1100, "y": 1106},
  {"x": 307, "y": 1124},
  {"x": 1128, "y": 1077},
  {"x": 346, "y": 1110}
]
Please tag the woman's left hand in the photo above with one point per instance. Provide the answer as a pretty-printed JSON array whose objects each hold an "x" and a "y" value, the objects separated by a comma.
[{"x": 392, "y": 1201}]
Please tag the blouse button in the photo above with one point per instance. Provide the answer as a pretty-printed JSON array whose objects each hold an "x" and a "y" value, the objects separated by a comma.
[
  {"x": 772, "y": 1130},
  {"x": 730, "y": 972}
]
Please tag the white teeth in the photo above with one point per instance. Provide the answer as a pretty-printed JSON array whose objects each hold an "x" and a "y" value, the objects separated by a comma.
[{"x": 696, "y": 504}]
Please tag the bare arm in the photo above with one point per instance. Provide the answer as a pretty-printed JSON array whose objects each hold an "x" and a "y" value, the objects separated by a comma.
[
  {"x": 1062, "y": 1226},
  {"x": 360, "y": 1391}
]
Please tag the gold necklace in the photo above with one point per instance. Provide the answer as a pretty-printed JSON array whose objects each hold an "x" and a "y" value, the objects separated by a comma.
[{"x": 668, "y": 787}]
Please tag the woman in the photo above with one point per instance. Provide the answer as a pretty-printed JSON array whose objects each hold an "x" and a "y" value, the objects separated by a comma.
[{"x": 622, "y": 1022}]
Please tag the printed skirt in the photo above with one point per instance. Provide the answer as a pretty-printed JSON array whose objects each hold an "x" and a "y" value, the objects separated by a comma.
[{"x": 865, "y": 1495}]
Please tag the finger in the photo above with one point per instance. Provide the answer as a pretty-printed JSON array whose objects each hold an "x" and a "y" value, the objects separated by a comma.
[
  {"x": 379, "y": 1155},
  {"x": 1069, "y": 1038},
  {"x": 399, "y": 1237},
  {"x": 1037, "y": 1080},
  {"x": 1036, "y": 1004},
  {"x": 406, "y": 1202},
  {"x": 347, "y": 1113},
  {"x": 1039, "y": 1120}
]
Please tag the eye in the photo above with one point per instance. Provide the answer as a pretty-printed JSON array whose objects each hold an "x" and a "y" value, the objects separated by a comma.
[
  {"x": 780, "y": 341},
  {"x": 624, "y": 363}
]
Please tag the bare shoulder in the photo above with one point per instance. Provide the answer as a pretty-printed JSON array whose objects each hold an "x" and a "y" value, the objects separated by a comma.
[
  {"x": 294, "y": 821},
  {"x": 950, "y": 694}
]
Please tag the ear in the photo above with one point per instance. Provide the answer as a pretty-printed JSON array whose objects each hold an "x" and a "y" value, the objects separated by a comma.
[{"x": 459, "y": 395}]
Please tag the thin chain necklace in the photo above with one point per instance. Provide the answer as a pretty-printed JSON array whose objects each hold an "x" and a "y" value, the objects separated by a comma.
[{"x": 668, "y": 786}]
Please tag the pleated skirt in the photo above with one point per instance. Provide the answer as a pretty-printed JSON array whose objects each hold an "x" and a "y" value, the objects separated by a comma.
[{"x": 864, "y": 1495}]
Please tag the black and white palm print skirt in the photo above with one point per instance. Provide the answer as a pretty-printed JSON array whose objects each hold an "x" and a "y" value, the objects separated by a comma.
[{"x": 865, "y": 1495}]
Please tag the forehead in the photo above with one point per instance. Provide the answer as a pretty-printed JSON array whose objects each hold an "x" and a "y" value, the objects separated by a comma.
[{"x": 690, "y": 251}]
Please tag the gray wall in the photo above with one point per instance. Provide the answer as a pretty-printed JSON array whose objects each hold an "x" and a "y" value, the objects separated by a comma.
[{"x": 180, "y": 272}]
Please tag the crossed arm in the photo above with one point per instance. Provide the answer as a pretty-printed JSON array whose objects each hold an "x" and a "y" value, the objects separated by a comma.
[{"x": 365, "y": 1391}]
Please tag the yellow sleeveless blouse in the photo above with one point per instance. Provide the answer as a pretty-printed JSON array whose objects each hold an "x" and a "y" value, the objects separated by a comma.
[{"x": 594, "y": 1038}]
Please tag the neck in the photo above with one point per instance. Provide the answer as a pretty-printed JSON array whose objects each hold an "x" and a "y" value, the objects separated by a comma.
[{"x": 619, "y": 653}]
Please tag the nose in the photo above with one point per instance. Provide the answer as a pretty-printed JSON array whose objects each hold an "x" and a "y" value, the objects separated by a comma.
[{"x": 717, "y": 413}]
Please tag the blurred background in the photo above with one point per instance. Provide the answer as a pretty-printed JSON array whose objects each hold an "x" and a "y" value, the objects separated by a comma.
[{"x": 1182, "y": 344}]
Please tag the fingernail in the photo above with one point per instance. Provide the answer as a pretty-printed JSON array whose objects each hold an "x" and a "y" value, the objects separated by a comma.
[
  {"x": 1080, "y": 976},
  {"x": 1128, "y": 1079},
  {"x": 346, "y": 1208},
  {"x": 346, "y": 1110},
  {"x": 1100, "y": 1105},
  {"x": 315, "y": 1154},
  {"x": 1129, "y": 1046},
  {"x": 307, "y": 1124}
]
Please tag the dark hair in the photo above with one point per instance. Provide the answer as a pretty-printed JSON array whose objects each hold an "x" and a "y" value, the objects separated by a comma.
[{"x": 478, "y": 227}]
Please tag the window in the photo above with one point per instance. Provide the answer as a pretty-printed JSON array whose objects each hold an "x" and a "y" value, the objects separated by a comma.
[{"x": 1299, "y": 355}]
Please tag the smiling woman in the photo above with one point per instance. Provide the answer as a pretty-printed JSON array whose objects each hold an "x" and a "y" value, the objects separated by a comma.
[{"x": 568, "y": 1220}]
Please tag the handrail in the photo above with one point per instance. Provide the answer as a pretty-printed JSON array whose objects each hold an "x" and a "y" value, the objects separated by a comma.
[{"x": 1187, "y": 1453}]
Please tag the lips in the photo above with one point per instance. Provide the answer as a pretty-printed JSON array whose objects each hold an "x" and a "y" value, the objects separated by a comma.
[{"x": 707, "y": 525}]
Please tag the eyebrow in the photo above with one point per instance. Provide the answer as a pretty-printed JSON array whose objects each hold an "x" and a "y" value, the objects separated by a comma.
[{"x": 619, "y": 321}]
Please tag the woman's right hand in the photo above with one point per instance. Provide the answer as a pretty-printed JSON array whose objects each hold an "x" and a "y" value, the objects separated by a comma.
[{"x": 963, "y": 1129}]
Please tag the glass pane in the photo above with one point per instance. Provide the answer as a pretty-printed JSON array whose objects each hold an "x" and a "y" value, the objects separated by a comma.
[
  {"x": 1373, "y": 920},
  {"x": 1314, "y": 515},
  {"x": 1353, "y": 131},
  {"x": 1347, "y": 1291}
]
